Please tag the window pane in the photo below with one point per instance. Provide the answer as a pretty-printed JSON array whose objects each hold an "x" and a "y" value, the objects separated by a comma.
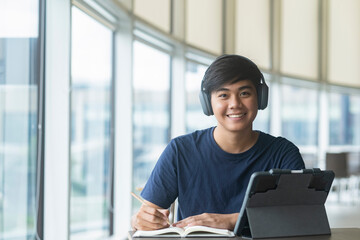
[
  {"x": 19, "y": 67},
  {"x": 91, "y": 74},
  {"x": 19, "y": 19},
  {"x": 344, "y": 119},
  {"x": 299, "y": 115},
  {"x": 195, "y": 117},
  {"x": 151, "y": 86}
]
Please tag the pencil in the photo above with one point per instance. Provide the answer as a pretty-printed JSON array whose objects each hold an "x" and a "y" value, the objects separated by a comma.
[
  {"x": 143, "y": 202},
  {"x": 138, "y": 198}
]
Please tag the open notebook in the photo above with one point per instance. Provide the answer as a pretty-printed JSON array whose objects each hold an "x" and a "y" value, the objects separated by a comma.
[{"x": 193, "y": 231}]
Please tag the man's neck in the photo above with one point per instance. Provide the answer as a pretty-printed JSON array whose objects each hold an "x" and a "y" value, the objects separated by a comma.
[{"x": 235, "y": 142}]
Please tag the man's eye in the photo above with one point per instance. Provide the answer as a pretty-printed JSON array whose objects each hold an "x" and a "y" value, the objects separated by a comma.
[
  {"x": 223, "y": 95},
  {"x": 245, "y": 94}
]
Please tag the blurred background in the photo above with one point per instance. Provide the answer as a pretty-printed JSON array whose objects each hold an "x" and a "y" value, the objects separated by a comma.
[{"x": 91, "y": 91}]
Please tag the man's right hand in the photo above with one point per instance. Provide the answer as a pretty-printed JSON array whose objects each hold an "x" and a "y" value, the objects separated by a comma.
[{"x": 150, "y": 217}]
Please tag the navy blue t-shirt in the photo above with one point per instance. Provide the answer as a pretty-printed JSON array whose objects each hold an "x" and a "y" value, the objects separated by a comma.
[{"x": 206, "y": 179}]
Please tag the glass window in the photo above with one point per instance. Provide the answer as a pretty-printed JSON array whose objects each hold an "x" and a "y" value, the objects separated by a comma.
[
  {"x": 19, "y": 79},
  {"x": 299, "y": 115},
  {"x": 151, "y": 109},
  {"x": 344, "y": 126},
  {"x": 91, "y": 76},
  {"x": 195, "y": 118}
]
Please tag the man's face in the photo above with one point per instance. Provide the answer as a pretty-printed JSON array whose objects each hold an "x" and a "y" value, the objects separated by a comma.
[{"x": 235, "y": 106}]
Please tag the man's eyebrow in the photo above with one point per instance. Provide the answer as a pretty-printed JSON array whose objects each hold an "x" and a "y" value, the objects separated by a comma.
[
  {"x": 245, "y": 87},
  {"x": 222, "y": 89},
  {"x": 240, "y": 88}
]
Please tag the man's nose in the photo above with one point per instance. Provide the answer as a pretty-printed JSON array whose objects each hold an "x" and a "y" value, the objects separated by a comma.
[{"x": 235, "y": 101}]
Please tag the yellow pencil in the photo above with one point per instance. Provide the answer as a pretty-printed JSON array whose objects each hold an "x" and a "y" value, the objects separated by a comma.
[
  {"x": 143, "y": 202},
  {"x": 138, "y": 198}
]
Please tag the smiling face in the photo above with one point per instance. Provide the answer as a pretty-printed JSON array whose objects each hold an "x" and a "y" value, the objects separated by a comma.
[{"x": 235, "y": 106}]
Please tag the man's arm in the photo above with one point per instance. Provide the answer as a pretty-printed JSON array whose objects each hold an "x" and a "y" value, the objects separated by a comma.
[{"x": 150, "y": 217}]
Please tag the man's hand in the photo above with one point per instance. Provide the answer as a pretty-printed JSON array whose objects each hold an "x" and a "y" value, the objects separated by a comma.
[
  {"x": 150, "y": 217},
  {"x": 224, "y": 221}
]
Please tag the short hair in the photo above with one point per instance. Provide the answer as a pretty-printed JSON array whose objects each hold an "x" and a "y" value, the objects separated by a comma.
[{"x": 230, "y": 69}]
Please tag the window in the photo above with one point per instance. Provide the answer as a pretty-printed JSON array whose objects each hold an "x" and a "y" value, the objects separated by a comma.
[
  {"x": 344, "y": 117},
  {"x": 299, "y": 115},
  {"x": 299, "y": 118},
  {"x": 151, "y": 110},
  {"x": 19, "y": 79},
  {"x": 91, "y": 82},
  {"x": 195, "y": 118}
]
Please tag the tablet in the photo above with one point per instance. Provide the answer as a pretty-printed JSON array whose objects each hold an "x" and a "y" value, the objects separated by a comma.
[{"x": 285, "y": 203}]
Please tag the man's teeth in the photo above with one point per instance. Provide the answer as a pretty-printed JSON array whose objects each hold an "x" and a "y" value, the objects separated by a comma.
[{"x": 236, "y": 115}]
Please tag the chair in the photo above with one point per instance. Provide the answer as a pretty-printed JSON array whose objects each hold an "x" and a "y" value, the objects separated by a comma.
[
  {"x": 173, "y": 212},
  {"x": 310, "y": 160},
  {"x": 338, "y": 163}
]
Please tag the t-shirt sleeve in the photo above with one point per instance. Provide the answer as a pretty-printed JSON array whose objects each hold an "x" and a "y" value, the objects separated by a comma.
[
  {"x": 292, "y": 158},
  {"x": 162, "y": 188}
]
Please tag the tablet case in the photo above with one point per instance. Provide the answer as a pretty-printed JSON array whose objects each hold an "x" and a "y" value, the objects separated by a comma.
[{"x": 285, "y": 203}]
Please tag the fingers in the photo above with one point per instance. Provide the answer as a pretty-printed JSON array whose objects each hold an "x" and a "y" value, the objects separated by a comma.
[
  {"x": 201, "y": 220},
  {"x": 224, "y": 221},
  {"x": 165, "y": 212},
  {"x": 157, "y": 213},
  {"x": 149, "y": 218}
]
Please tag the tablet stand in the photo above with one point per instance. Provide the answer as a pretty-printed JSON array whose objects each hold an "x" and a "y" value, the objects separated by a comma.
[{"x": 284, "y": 205}]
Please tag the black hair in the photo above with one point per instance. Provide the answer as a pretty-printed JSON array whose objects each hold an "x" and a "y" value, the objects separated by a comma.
[{"x": 230, "y": 69}]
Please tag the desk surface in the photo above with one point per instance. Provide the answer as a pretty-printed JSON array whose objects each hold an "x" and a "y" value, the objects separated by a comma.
[{"x": 336, "y": 234}]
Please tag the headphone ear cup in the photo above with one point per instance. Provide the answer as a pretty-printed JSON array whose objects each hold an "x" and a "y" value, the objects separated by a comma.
[
  {"x": 205, "y": 103},
  {"x": 263, "y": 95}
]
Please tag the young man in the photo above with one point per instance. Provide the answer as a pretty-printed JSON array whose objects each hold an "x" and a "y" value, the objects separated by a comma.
[{"x": 209, "y": 170}]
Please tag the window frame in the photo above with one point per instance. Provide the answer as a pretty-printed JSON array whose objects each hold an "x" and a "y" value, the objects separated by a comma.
[
  {"x": 56, "y": 143},
  {"x": 41, "y": 126}
]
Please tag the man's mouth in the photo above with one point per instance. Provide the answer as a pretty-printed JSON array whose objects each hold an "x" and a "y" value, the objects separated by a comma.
[{"x": 236, "y": 115}]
